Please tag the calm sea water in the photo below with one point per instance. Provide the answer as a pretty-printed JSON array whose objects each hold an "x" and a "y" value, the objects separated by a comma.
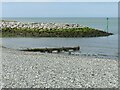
[{"x": 98, "y": 46}]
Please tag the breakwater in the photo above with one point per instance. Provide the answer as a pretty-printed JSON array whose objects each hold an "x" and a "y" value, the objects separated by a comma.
[{"x": 31, "y": 29}]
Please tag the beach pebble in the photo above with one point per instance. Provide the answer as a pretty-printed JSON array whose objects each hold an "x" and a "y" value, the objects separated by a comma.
[{"x": 31, "y": 69}]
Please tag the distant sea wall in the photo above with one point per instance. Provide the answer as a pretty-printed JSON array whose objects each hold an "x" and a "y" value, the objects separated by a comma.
[{"x": 31, "y": 29}]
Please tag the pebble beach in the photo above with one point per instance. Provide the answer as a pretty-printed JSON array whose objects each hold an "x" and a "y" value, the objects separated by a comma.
[
  {"x": 59, "y": 45},
  {"x": 22, "y": 69}
]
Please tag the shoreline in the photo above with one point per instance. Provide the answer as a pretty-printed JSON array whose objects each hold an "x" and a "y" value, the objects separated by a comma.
[
  {"x": 27, "y": 69},
  {"x": 111, "y": 57}
]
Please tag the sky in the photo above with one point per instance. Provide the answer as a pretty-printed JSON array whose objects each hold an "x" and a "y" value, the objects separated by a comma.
[
  {"x": 59, "y": 9},
  {"x": 60, "y": 0}
]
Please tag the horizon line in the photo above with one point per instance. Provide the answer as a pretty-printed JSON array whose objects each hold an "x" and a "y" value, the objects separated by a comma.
[{"x": 62, "y": 17}]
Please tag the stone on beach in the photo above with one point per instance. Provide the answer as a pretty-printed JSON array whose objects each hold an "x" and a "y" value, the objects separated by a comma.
[{"x": 37, "y": 70}]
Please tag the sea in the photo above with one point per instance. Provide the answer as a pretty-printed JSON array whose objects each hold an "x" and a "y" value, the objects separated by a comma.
[{"x": 106, "y": 47}]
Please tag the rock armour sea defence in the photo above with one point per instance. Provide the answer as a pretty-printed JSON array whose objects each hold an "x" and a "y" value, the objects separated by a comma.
[
  {"x": 15, "y": 24},
  {"x": 21, "y": 29}
]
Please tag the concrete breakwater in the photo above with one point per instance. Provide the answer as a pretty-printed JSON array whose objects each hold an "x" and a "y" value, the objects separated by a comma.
[{"x": 20, "y": 29}]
